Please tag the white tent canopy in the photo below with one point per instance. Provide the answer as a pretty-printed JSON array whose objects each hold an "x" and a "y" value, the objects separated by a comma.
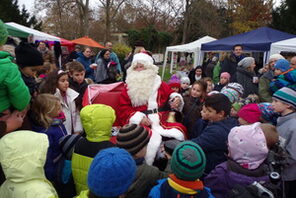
[
  {"x": 37, "y": 35},
  {"x": 193, "y": 47},
  {"x": 288, "y": 45}
]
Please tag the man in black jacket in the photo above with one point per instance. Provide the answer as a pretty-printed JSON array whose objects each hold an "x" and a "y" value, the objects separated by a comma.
[{"x": 230, "y": 63}]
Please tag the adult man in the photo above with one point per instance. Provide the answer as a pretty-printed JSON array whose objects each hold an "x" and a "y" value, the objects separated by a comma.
[
  {"x": 113, "y": 56},
  {"x": 293, "y": 62},
  {"x": 146, "y": 100},
  {"x": 230, "y": 63},
  {"x": 47, "y": 55},
  {"x": 75, "y": 54},
  {"x": 85, "y": 60}
]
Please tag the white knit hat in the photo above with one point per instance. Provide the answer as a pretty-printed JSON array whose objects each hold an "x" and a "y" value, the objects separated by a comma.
[{"x": 276, "y": 56}]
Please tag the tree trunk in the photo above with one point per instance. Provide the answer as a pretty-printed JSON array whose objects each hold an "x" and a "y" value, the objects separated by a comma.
[
  {"x": 186, "y": 21},
  {"x": 108, "y": 22}
]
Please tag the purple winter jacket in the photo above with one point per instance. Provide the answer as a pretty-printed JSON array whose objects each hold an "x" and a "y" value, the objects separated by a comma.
[{"x": 221, "y": 180}]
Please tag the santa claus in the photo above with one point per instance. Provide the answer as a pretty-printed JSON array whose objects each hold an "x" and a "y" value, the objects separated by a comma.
[{"x": 147, "y": 101}]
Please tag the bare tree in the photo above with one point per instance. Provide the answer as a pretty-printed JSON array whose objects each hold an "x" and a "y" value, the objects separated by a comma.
[
  {"x": 111, "y": 8},
  {"x": 186, "y": 20}
]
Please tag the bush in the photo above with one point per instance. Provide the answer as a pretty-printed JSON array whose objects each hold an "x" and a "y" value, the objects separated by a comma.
[{"x": 121, "y": 50}]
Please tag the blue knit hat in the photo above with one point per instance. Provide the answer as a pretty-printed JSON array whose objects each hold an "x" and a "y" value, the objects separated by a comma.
[
  {"x": 111, "y": 172},
  {"x": 282, "y": 65},
  {"x": 286, "y": 95},
  {"x": 188, "y": 161},
  {"x": 268, "y": 112}
]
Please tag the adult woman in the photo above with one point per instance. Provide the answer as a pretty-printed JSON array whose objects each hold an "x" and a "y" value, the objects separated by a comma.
[
  {"x": 101, "y": 73},
  {"x": 246, "y": 76}
]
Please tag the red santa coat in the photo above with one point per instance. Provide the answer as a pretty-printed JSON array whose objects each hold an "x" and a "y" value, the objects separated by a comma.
[{"x": 161, "y": 94}]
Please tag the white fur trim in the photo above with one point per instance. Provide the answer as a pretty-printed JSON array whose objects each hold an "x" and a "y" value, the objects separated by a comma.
[
  {"x": 173, "y": 95},
  {"x": 142, "y": 57},
  {"x": 152, "y": 102},
  {"x": 137, "y": 118},
  {"x": 152, "y": 147},
  {"x": 156, "y": 138}
]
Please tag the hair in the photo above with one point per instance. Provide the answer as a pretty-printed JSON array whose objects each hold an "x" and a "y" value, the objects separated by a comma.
[
  {"x": 85, "y": 48},
  {"x": 208, "y": 79},
  {"x": 237, "y": 45},
  {"x": 75, "y": 66},
  {"x": 270, "y": 133},
  {"x": 138, "y": 49},
  {"x": 223, "y": 55},
  {"x": 219, "y": 102},
  {"x": 203, "y": 86},
  {"x": 42, "y": 107},
  {"x": 46, "y": 68},
  {"x": 198, "y": 67},
  {"x": 103, "y": 52},
  {"x": 89, "y": 81},
  {"x": 50, "y": 84}
]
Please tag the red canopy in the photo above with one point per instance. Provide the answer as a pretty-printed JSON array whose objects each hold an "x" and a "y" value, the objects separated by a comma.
[{"x": 88, "y": 42}]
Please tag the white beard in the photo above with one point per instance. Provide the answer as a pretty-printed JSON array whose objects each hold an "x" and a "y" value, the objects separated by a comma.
[{"x": 140, "y": 86}]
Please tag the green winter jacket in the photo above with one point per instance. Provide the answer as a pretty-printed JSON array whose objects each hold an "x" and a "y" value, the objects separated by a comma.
[
  {"x": 216, "y": 73},
  {"x": 97, "y": 121},
  {"x": 13, "y": 91},
  {"x": 83, "y": 194},
  {"x": 22, "y": 156}
]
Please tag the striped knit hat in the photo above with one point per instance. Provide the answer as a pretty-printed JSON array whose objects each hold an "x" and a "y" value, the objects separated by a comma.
[
  {"x": 132, "y": 138},
  {"x": 188, "y": 161},
  {"x": 286, "y": 95}
]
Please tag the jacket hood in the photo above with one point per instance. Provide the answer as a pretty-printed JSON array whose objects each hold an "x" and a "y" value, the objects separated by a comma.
[
  {"x": 23, "y": 155},
  {"x": 246, "y": 72},
  {"x": 97, "y": 121},
  {"x": 269, "y": 75},
  {"x": 241, "y": 176},
  {"x": 5, "y": 57}
]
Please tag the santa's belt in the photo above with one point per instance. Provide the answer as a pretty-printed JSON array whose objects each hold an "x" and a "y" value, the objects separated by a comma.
[{"x": 152, "y": 111}]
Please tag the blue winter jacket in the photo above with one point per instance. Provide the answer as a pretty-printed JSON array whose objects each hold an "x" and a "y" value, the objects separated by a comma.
[
  {"x": 86, "y": 62},
  {"x": 213, "y": 141},
  {"x": 54, "y": 133},
  {"x": 163, "y": 190}
]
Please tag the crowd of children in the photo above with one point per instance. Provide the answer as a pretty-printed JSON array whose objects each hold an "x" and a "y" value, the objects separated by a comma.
[{"x": 51, "y": 146}]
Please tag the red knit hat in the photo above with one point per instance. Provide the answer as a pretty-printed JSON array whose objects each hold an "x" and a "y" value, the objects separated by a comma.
[{"x": 250, "y": 112}]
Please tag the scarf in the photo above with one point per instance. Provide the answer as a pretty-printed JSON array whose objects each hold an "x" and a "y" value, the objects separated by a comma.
[{"x": 186, "y": 187}]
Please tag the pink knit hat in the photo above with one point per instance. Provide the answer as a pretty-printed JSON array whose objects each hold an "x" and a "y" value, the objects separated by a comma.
[
  {"x": 225, "y": 75},
  {"x": 247, "y": 145},
  {"x": 250, "y": 113}
]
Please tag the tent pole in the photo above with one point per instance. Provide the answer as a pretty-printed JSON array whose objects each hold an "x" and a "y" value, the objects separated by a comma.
[
  {"x": 172, "y": 60},
  {"x": 164, "y": 63}
]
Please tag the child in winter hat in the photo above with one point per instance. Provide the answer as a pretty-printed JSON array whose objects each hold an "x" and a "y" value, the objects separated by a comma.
[
  {"x": 249, "y": 114},
  {"x": 233, "y": 91},
  {"x": 224, "y": 80},
  {"x": 14, "y": 94},
  {"x": 284, "y": 102},
  {"x": 185, "y": 83},
  {"x": 29, "y": 60},
  {"x": 134, "y": 138},
  {"x": 110, "y": 174},
  {"x": 187, "y": 164},
  {"x": 175, "y": 83},
  {"x": 281, "y": 66},
  {"x": 268, "y": 113},
  {"x": 248, "y": 147}
]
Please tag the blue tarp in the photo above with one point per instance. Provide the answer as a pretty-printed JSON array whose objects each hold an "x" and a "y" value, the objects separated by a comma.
[{"x": 256, "y": 40}]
